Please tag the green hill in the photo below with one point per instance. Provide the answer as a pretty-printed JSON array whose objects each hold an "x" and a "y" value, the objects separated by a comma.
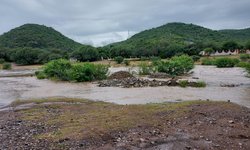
[
  {"x": 177, "y": 37},
  {"x": 241, "y": 35},
  {"x": 37, "y": 36}
]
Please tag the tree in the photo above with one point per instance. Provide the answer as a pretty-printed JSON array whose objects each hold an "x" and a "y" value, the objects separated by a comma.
[
  {"x": 230, "y": 45},
  {"x": 86, "y": 53},
  {"x": 247, "y": 46},
  {"x": 208, "y": 50},
  {"x": 25, "y": 56}
]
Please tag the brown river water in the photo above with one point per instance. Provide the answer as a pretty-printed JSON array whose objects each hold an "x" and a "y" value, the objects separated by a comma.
[{"x": 13, "y": 88}]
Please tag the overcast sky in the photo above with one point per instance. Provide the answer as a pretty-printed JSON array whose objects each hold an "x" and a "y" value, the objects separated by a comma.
[{"x": 99, "y": 22}]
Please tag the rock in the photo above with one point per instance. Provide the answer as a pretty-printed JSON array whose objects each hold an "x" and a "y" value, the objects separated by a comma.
[
  {"x": 229, "y": 85},
  {"x": 132, "y": 82},
  {"x": 142, "y": 140},
  {"x": 231, "y": 121}
]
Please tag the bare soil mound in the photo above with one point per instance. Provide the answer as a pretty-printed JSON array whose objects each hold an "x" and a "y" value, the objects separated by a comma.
[{"x": 120, "y": 75}]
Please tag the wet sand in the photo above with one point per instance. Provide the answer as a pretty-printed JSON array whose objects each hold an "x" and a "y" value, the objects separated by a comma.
[{"x": 12, "y": 88}]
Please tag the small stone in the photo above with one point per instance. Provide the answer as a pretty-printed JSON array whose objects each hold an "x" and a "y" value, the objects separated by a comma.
[
  {"x": 231, "y": 121},
  {"x": 142, "y": 140},
  {"x": 118, "y": 139}
]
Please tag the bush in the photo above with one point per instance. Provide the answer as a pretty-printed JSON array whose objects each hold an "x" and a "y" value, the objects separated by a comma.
[
  {"x": 58, "y": 69},
  {"x": 119, "y": 59},
  {"x": 244, "y": 57},
  {"x": 2, "y": 60},
  {"x": 87, "y": 72},
  {"x": 226, "y": 62},
  {"x": 144, "y": 58},
  {"x": 183, "y": 83},
  {"x": 177, "y": 65},
  {"x": 145, "y": 69},
  {"x": 155, "y": 60},
  {"x": 200, "y": 84},
  {"x": 245, "y": 65},
  {"x": 195, "y": 58},
  {"x": 207, "y": 61},
  {"x": 126, "y": 62},
  {"x": 7, "y": 66},
  {"x": 40, "y": 75},
  {"x": 80, "y": 72}
]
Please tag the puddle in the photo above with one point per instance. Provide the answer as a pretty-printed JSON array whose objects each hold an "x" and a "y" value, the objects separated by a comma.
[{"x": 12, "y": 88}]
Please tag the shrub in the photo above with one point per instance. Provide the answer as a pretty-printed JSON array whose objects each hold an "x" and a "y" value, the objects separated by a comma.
[
  {"x": 57, "y": 69},
  {"x": 126, "y": 62},
  {"x": 195, "y": 58},
  {"x": 144, "y": 58},
  {"x": 226, "y": 62},
  {"x": 155, "y": 60},
  {"x": 80, "y": 72},
  {"x": 119, "y": 59},
  {"x": 40, "y": 75},
  {"x": 244, "y": 57},
  {"x": 248, "y": 69},
  {"x": 207, "y": 61},
  {"x": 177, "y": 65},
  {"x": 145, "y": 69},
  {"x": 7, "y": 66},
  {"x": 200, "y": 84},
  {"x": 183, "y": 83},
  {"x": 2, "y": 60},
  {"x": 245, "y": 65}
]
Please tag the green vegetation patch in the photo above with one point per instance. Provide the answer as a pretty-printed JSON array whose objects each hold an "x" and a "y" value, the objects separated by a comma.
[
  {"x": 79, "y": 72},
  {"x": 226, "y": 62},
  {"x": 6, "y": 66},
  {"x": 119, "y": 59},
  {"x": 178, "y": 65}
]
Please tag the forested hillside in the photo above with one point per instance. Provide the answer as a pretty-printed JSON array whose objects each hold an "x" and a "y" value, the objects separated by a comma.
[
  {"x": 37, "y": 36},
  {"x": 174, "y": 38}
]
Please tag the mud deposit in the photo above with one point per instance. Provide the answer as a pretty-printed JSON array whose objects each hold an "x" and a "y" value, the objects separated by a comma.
[
  {"x": 196, "y": 125},
  {"x": 12, "y": 88}
]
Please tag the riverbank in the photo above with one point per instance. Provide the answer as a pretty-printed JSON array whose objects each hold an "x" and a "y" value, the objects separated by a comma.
[{"x": 82, "y": 124}]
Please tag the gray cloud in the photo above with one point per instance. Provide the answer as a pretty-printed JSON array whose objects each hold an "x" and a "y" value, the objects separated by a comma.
[{"x": 100, "y": 22}]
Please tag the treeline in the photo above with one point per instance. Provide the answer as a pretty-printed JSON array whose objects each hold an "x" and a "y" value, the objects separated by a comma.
[
  {"x": 28, "y": 55},
  {"x": 167, "y": 51}
]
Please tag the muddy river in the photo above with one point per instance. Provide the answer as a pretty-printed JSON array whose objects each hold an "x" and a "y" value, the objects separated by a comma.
[{"x": 12, "y": 88}]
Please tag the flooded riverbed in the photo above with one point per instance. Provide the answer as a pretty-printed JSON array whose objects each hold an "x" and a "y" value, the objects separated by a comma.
[{"x": 12, "y": 88}]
